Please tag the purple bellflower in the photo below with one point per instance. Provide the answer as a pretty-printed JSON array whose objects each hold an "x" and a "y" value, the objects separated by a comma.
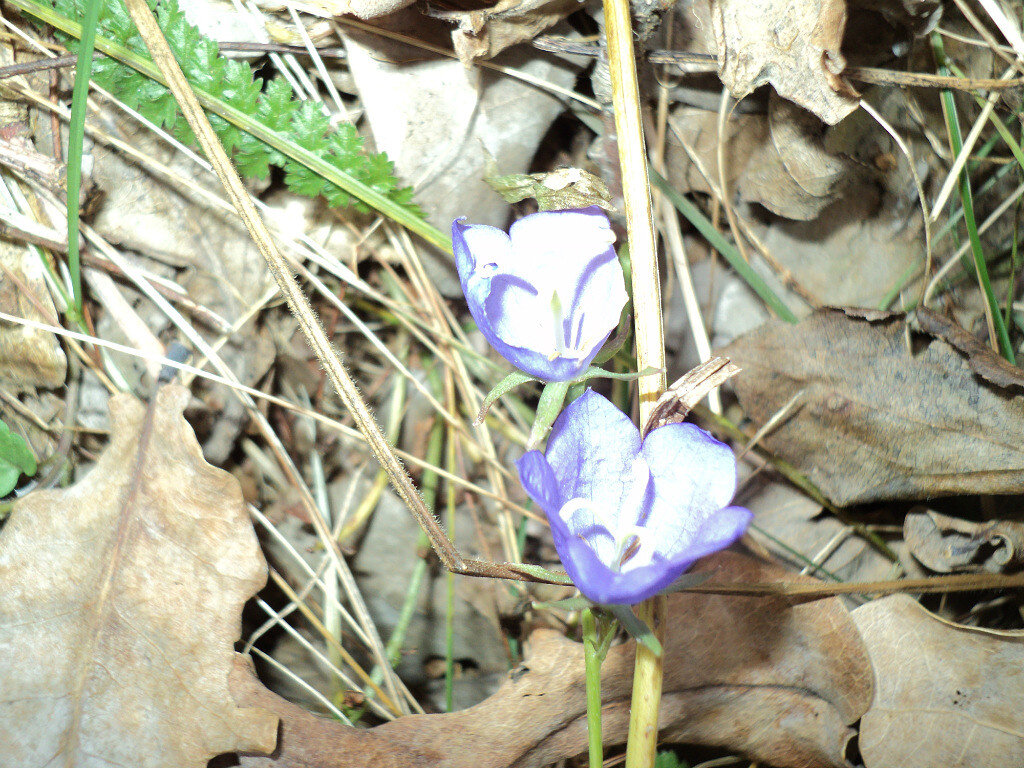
[
  {"x": 629, "y": 516},
  {"x": 547, "y": 294}
]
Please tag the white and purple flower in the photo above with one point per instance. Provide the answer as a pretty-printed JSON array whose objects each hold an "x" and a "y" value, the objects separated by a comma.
[
  {"x": 547, "y": 294},
  {"x": 628, "y": 516}
]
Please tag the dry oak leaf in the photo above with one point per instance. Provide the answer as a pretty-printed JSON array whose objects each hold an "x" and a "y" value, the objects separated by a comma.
[
  {"x": 946, "y": 695},
  {"x": 874, "y": 417},
  {"x": 120, "y": 599},
  {"x": 780, "y": 683},
  {"x": 792, "y": 44}
]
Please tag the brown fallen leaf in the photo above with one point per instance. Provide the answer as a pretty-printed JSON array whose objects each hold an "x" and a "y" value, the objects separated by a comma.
[
  {"x": 120, "y": 599},
  {"x": 875, "y": 420},
  {"x": 946, "y": 695},
  {"x": 947, "y": 544},
  {"x": 792, "y": 44},
  {"x": 780, "y": 683}
]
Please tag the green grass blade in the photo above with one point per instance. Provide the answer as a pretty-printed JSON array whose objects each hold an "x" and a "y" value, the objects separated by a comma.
[
  {"x": 76, "y": 141},
  {"x": 956, "y": 144},
  {"x": 724, "y": 247}
]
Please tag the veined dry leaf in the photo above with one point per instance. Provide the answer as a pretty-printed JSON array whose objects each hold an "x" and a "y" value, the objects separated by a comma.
[
  {"x": 874, "y": 419},
  {"x": 780, "y": 683},
  {"x": 946, "y": 695},
  {"x": 792, "y": 44},
  {"x": 120, "y": 598}
]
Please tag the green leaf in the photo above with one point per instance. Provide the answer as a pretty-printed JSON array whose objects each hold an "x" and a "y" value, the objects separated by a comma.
[
  {"x": 635, "y": 627},
  {"x": 511, "y": 381},
  {"x": 16, "y": 459}
]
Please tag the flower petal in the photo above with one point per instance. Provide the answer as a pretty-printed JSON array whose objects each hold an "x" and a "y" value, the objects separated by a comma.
[
  {"x": 477, "y": 245},
  {"x": 539, "y": 481},
  {"x": 597, "y": 305},
  {"x": 719, "y": 531},
  {"x": 592, "y": 449},
  {"x": 519, "y": 315},
  {"x": 478, "y": 249},
  {"x": 514, "y": 317},
  {"x": 559, "y": 244},
  {"x": 603, "y": 585},
  {"x": 694, "y": 476}
]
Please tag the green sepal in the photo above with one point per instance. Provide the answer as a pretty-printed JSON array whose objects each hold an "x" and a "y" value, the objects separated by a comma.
[
  {"x": 542, "y": 573},
  {"x": 668, "y": 759},
  {"x": 548, "y": 408},
  {"x": 593, "y": 372},
  {"x": 506, "y": 385},
  {"x": 615, "y": 343},
  {"x": 606, "y": 638},
  {"x": 577, "y": 603},
  {"x": 16, "y": 459},
  {"x": 636, "y": 628}
]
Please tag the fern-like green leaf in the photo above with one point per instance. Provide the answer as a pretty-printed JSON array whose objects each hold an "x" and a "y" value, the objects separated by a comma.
[{"x": 273, "y": 103}]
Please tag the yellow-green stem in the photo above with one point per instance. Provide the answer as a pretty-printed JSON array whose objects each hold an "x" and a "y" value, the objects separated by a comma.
[
  {"x": 592, "y": 664},
  {"x": 650, "y": 343}
]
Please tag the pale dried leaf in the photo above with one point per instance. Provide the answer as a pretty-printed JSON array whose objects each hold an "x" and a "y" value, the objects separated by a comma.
[
  {"x": 788, "y": 521},
  {"x": 778, "y": 160},
  {"x": 859, "y": 234},
  {"x": 485, "y": 33},
  {"x": 120, "y": 599},
  {"x": 780, "y": 683},
  {"x": 412, "y": 98},
  {"x": 794, "y": 175},
  {"x": 876, "y": 419},
  {"x": 946, "y": 695},
  {"x": 205, "y": 250},
  {"x": 29, "y": 358},
  {"x": 792, "y": 44}
]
